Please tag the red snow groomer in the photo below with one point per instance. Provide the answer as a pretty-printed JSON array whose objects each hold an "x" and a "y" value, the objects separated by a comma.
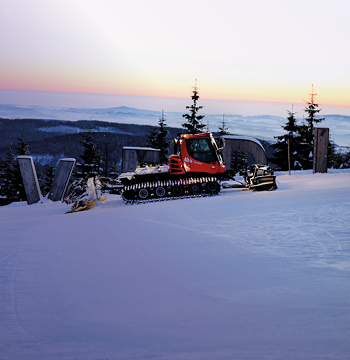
[{"x": 196, "y": 169}]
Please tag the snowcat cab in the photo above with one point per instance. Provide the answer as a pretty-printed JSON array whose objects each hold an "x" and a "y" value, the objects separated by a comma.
[{"x": 199, "y": 154}]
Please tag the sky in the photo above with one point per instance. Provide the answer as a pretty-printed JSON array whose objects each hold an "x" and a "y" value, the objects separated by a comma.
[{"x": 265, "y": 51}]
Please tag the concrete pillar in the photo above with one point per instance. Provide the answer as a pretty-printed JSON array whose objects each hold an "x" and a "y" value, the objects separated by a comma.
[
  {"x": 60, "y": 182},
  {"x": 30, "y": 179}
]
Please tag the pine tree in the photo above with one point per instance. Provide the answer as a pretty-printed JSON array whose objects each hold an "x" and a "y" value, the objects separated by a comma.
[
  {"x": 194, "y": 123},
  {"x": 158, "y": 140},
  {"x": 281, "y": 147},
  {"x": 91, "y": 158},
  {"x": 106, "y": 157},
  {"x": 113, "y": 170},
  {"x": 9, "y": 187},
  {"x": 336, "y": 159},
  {"x": 153, "y": 137},
  {"x": 239, "y": 161},
  {"x": 48, "y": 180},
  {"x": 223, "y": 130},
  {"x": 307, "y": 130},
  {"x": 22, "y": 145},
  {"x": 346, "y": 163},
  {"x": 22, "y": 150}
]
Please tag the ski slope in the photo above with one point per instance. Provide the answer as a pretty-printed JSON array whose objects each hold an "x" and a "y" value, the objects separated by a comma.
[{"x": 242, "y": 275}]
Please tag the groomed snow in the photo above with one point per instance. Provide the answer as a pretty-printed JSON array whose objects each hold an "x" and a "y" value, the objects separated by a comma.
[{"x": 242, "y": 275}]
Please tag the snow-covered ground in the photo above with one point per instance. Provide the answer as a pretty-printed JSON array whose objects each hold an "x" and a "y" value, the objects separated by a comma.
[{"x": 242, "y": 275}]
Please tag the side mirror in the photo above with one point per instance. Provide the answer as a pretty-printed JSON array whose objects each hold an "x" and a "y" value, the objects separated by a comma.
[{"x": 221, "y": 143}]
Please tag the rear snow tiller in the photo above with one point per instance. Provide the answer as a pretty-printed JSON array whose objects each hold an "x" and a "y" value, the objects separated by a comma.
[{"x": 260, "y": 177}]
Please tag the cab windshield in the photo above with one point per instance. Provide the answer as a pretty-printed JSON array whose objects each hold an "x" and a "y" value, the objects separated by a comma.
[{"x": 201, "y": 150}]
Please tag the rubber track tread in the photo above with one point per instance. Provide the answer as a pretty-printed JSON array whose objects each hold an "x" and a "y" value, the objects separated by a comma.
[
  {"x": 169, "y": 198},
  {"x": 203, "y": 193}
]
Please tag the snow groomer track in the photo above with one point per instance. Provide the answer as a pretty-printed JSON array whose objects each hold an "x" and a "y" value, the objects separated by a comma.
[{"x": 171, "y": 190}]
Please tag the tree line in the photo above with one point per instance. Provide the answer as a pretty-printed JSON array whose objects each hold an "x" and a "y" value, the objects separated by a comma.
[
  {"x": 11, "y": 183},
  {"x": 297, "y": 144}
]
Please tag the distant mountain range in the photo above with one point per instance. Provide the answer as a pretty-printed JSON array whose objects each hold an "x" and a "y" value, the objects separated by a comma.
[{"x": 260, "y": 126}]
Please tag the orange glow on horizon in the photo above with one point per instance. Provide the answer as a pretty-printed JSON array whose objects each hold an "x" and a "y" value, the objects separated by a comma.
[
  {"x": 72, "y": 81},
  {"x": 120, "y": 81},
  {"x": 326, "y": 100}
]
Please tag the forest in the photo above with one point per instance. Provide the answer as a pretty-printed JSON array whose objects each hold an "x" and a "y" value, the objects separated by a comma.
[{"x": 50, "y": 140}]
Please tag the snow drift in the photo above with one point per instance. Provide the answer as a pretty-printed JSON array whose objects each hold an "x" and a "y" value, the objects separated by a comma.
[{"x": 242, "y": 275}]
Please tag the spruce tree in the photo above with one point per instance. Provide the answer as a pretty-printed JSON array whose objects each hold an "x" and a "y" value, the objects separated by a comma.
[
  {"x": 194, "y": 123},
  {"x": 336, "y": 159},
  {"x": 91, "y": 157},
  {"x": 22, "y": 145},
  {"x": 9, "y": 187},
  {"x": 158, "y": 140},
  {"x": 346, "y": 163},
  {"x": 239, "y": 161},
  {"x": 106, "y": 157},
  {"x": 223, "y": 130},
  {"x": 113, "y": 170},
  {"x": 153, "y": 137},
  {"x": 280, "y": 159},
  {"x": 22, "y": 150},
  {"x": 48, "y": 180},
  {"x": 307, "y": 131}
]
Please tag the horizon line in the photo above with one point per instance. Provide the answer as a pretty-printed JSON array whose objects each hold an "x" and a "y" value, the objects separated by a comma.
[{"x": 303, "y": 102}]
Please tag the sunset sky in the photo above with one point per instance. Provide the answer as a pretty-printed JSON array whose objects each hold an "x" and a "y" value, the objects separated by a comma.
[{"x": 270, "y": 51}]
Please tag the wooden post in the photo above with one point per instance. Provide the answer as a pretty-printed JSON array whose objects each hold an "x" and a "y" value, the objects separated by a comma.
[
  {"x": 30, "y": 179},
  {"x": 289, "y": 154},
  {"x": 63, "y": 174},
  {"x": 321, "y": 138}
]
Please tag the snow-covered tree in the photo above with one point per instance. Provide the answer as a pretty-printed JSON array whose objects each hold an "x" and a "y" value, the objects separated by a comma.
[
  {"x": 223, "y": 129},
  {"x": 194, "y": 123},
  {"x": 336, "y": 159},
  {"x": 91, "y": 157},
  {"x": 106, "y": 157},
  {"x": 158, "y": 140},
  {"x": 239, "y": 161},
  {"x": 22, "y": 150},
  {"x": 48, "y": 179},
  {"x": 280, "y": 159},
  {"x": 22, "y": 145},
  {"x": 9, "y": 187},
  {"x": 307, "y": 131},
  {"x": 347, "y": 160},
  {"x": 113, "y": 170}
]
